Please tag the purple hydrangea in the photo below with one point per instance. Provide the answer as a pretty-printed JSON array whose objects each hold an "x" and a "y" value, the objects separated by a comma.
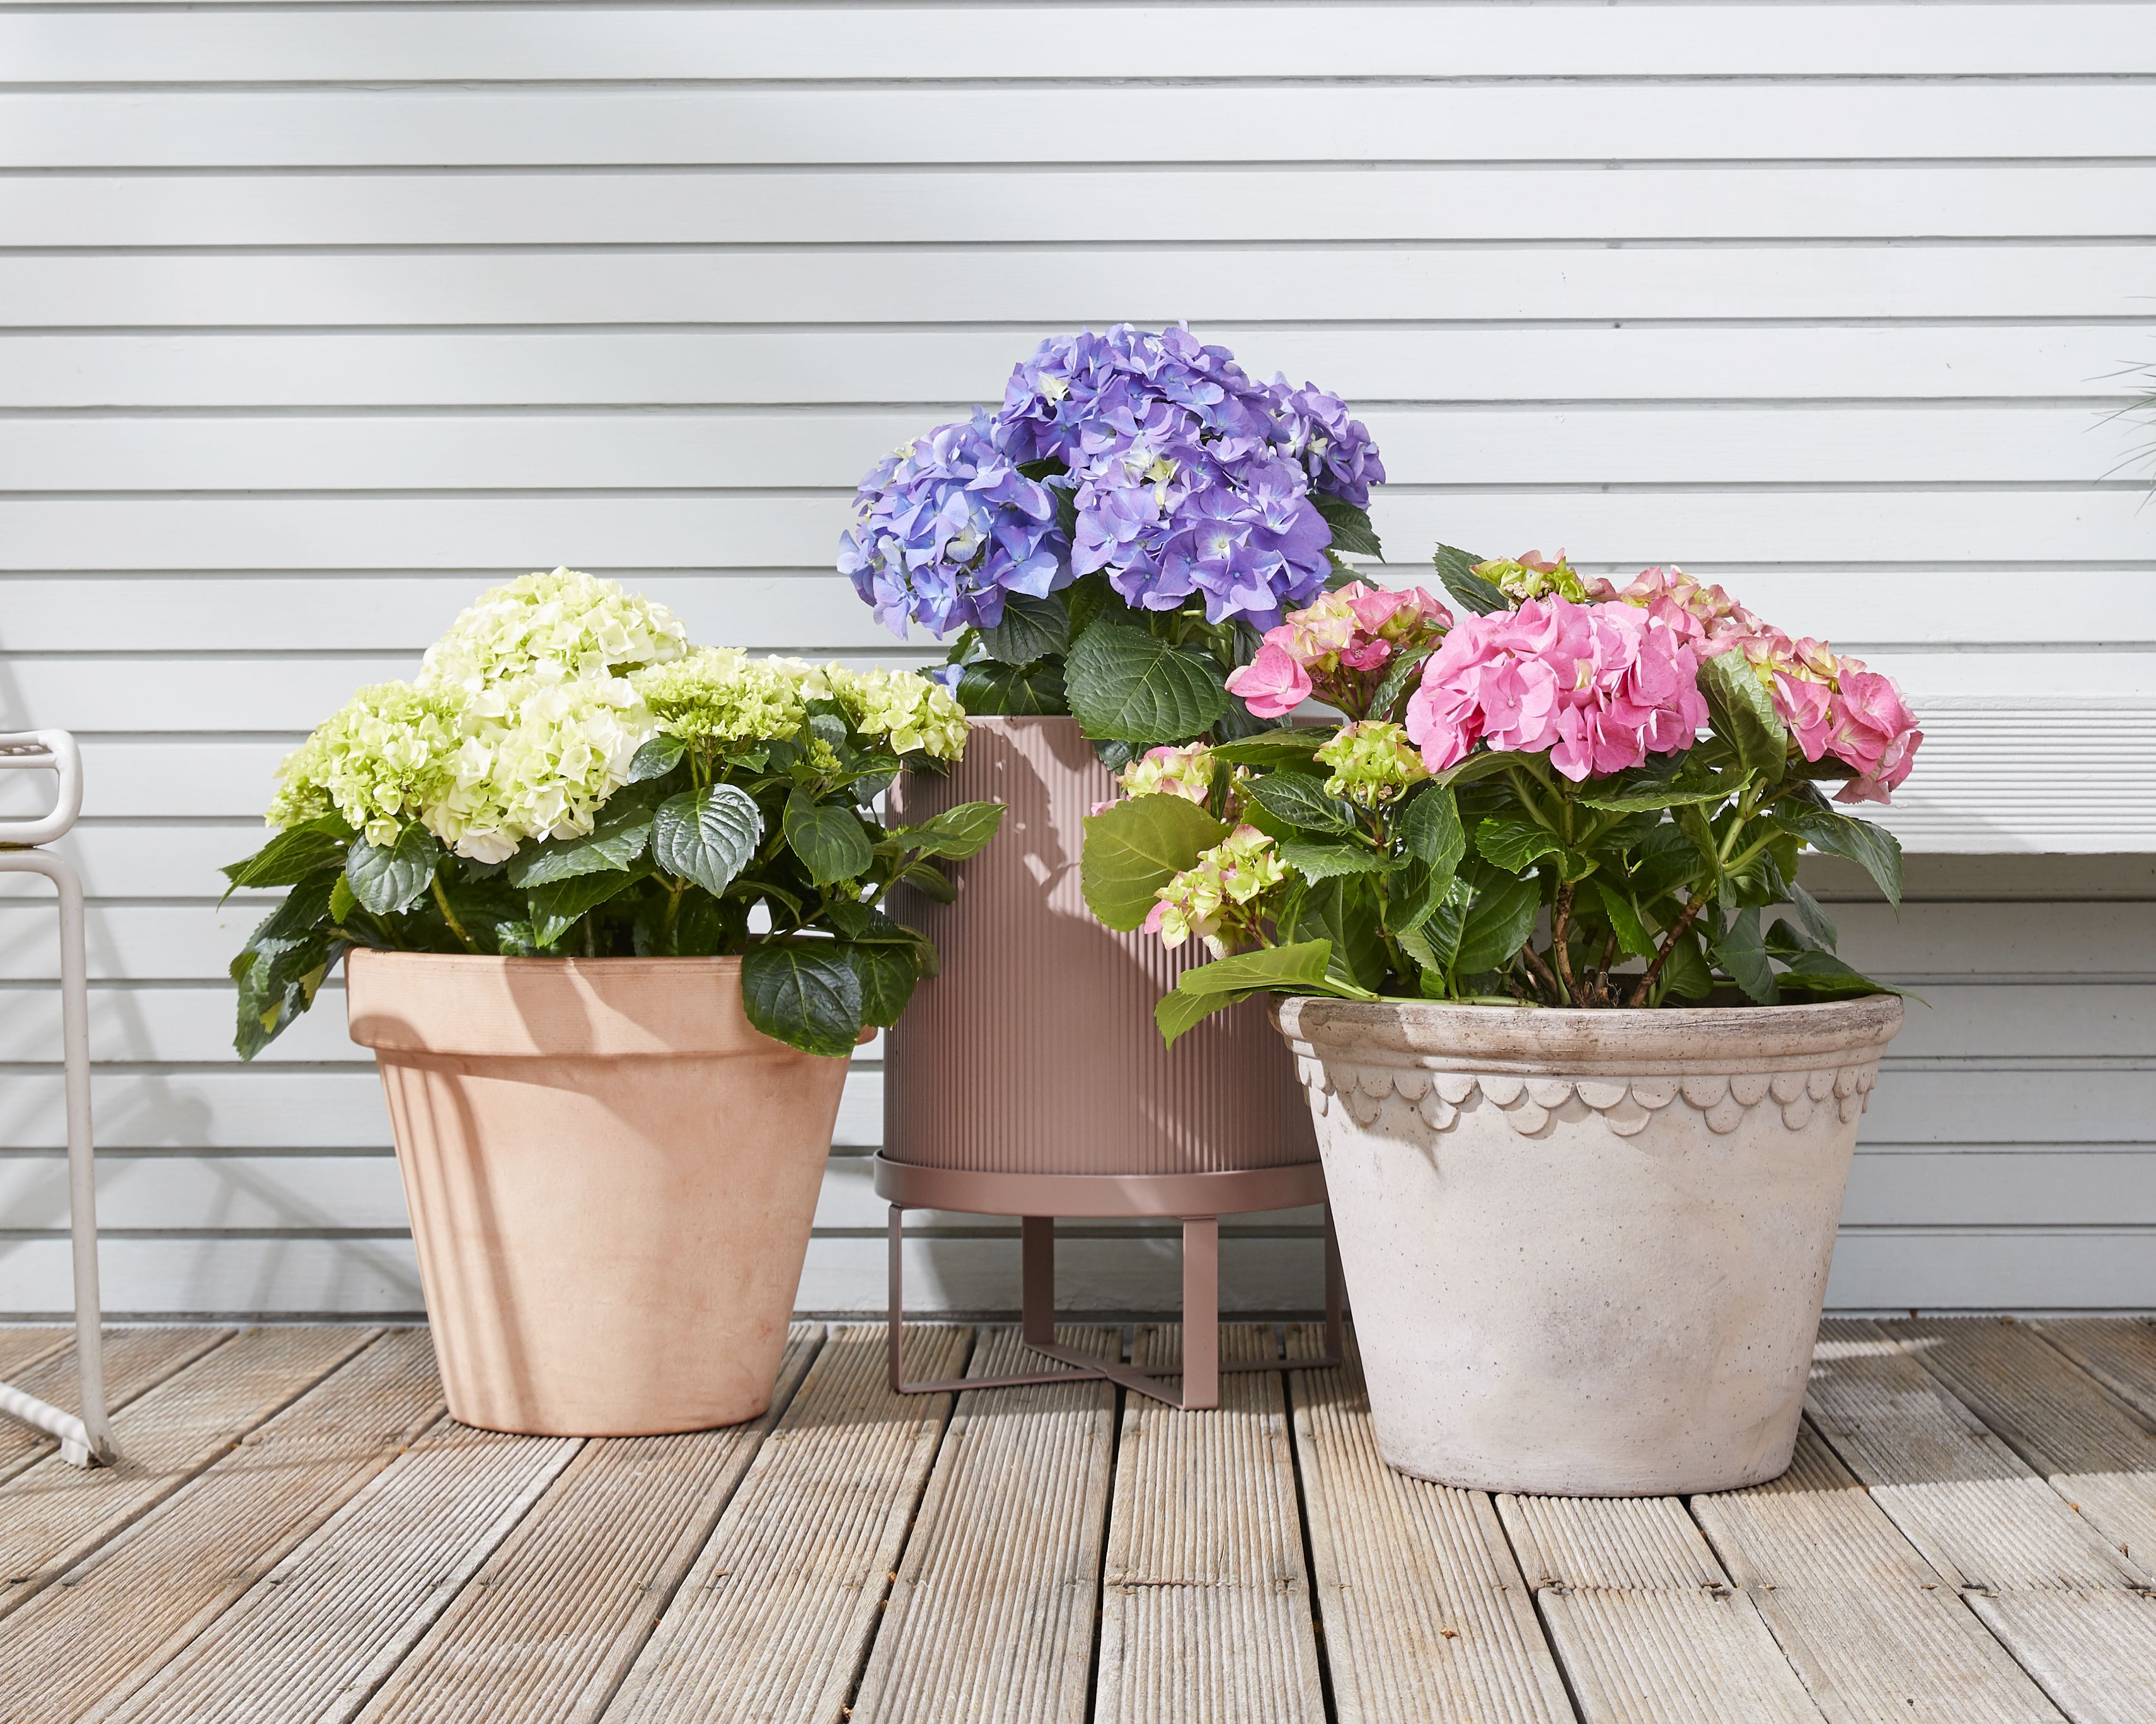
[
  {"x": 945, "y": 528},
  {"x": 1189, "y": 481}
]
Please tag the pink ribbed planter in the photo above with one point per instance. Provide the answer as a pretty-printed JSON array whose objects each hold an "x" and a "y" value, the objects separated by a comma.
[{"x": 1034, "y": 1051}]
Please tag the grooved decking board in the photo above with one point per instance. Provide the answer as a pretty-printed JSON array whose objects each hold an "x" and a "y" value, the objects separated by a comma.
[
  {"x": 774, "y": 1619},
  {"x": 135, "y": 1360},
  {"x": 2098, "y": 1454},
  {"x": 991, "y": 1618},
  {"x": 1205, "y": 1610},
  {"x": 1874, "y": 1631},
  {"x": 314, "y": 1638},
  {"x": 1428, "y": 1619},
  {"x": 84, "y": 1646},
  {"x": 26, "y": 1345},
  {"x": 53, "y": 1515},
  {"x": 2121, "y": 1355},
  {"x": 546, "y": 1630},
  {"x": 1648, "y": 1625},
  {"x": 2062, "y": 1600}
]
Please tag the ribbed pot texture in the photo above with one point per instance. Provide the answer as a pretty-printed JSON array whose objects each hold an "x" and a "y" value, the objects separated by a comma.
[
  {"x": 1587, "y": 1251},
  {"x": 611, "y": 1175},
  {"x": 1035, "y": 1051}
]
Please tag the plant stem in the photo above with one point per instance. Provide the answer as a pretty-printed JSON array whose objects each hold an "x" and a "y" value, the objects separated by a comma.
[
  {"x": 673, "y": 910},
  {"x": 1684, "y": 920},
  {"x": 1542, "y": 972},
  {"x": 1561, "y": 941},
  {"x": 448, "y": 916}
]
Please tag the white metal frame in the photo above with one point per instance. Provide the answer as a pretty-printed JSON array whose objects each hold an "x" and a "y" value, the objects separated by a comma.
[{"x": 85, "y": 1440}]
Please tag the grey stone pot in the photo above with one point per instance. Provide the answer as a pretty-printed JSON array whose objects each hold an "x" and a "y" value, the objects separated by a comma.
[{"x": 1587, "y": 1251}]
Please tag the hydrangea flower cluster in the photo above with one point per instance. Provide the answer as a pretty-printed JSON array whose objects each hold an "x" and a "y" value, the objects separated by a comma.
[
  {"x": 910, "y": 712},
  {"x": 379, "y": 760},
  {"x": 540, "y": 755},
  {"x": 1337, "y": 649},
  {"x": 578, "y": 624},
  {"x": 947, "y": 527},
  {"x": 1188, "y": 482},
  {"x": 1186, "y": 772},
  {"x": 1219, "y": 899},
  {"x": 1530, "y": 575},
  {"x": 1598, "y": 687},
  {"x": 1372, "y": 762},
  {"x": 1832, "y": 703},
  {"x": 720, "y": 694}
]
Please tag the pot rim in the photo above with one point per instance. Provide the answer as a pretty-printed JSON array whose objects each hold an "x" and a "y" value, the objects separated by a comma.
[{"x": 1442, "y": 1033}]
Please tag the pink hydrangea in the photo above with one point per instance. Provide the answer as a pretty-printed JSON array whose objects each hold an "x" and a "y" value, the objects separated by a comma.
[
  {"x": 1598, "y": 687},
  {"x": 1337, "y": 649},
  {"x": 1870, "y": 727}
]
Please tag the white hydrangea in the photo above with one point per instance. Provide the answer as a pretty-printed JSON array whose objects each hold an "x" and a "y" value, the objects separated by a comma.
[
  {"x": 538, "y": 757},
  {"x": 577, "y": 623},
  {"x": 378, "y": 759},
  {"x": 910, "y": 713}
]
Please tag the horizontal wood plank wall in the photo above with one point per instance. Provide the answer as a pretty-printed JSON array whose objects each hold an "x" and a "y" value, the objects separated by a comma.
[{"x": 314, "y": 319}]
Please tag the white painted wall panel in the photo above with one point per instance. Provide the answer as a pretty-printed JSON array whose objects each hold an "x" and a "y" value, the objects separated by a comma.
[{"x": 315, "y": 318}]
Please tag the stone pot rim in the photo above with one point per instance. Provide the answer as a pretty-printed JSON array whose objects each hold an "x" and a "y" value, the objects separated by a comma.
[{"x": 1441, "y": 1034}]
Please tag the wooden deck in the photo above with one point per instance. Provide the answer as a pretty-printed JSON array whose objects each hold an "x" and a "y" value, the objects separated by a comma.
[{"x": 296, "y": 1532}]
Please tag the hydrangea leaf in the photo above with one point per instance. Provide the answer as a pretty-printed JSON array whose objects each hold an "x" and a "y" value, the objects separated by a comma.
[
  {"x": 997, "y": 690},
  {"x": 887, "y": 974},
  {"x": 1496, "y": 924},
  {"x": 389, "y": 879},
  {"x": 1876, "y": 850},
  {"x": 1455, "y": 570},
  {"x": 1817, "y": 922},
  {"x": 1303, "y": 968},
  {"x": 1686, "y": 974},
  {"x": 616, "y": 840},
  {"x": 1130, "y": 686},
  {"x": 706, "y": 835},
  {"x": 1743, "y": 714},
  {"x": 1514, "y": 842},
  {"x": 1299, "y": 799},
  {"x": 1624, "y": 919},
  {"x": 1316, "y": 861},
  {"x": 829, "y": 837},
  {"x": 555, "y": 908},
  {"x": 287, "y": 859},
  {"x": 656, "y": 758},
  {"x": 1400, "y": 680},
  {"x": 1031, "y": 629},
  {"x": 1649, "y": 793},
  {"x": 957, "y": 833},
  {"x": 1289, "y": 747},
  {"x": 803, "y": 993},
  {"x": 1133, "y": 848},
  {"x": 1742, "y": 951},
  {"x": 1353, "y": 533}
]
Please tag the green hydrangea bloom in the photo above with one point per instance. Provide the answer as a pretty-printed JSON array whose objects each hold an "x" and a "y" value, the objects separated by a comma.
[
  {"x": 584, "y": 625},
  {"x": 910, "y": 713},
  {"x": 1531, "y": 578},
  {"x": 1372, "y": 762},
  {"x": 1218, "y": 898},
  {"x": 379, "y": 760},
  {"x": 720, "y": 695}
]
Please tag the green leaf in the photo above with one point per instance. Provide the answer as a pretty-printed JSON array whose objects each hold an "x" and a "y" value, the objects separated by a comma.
[
  {"x": 1627, "y": 794},
  {"x": 1342, "y": 912},
  {"x": 706, "y": 835},
  {"x": 1430, "y": 831},
  {"x": 617, "y": 839},
  {"x": 1742, "y": 713},
  {"x": 1177, "y": 1012},
  {"x": 1817, "y": 922},
  {"x": 1031, "y": 629},
  {"x": 1299, "y": 799},
  {"x": 926, "y": 877},
  {"x": 1485, "y": 765},
  {"x": 1301, "y": 968},
  {"x": 656, "y": 758},
  {"x": 1873, "y": 848},
  {"x": 1822, "y": 974},
  {"x": 957, "y": 831},
  {"x": 1130, "y": 686},
  {"x": 1398, "y": 682},
  {"x": 555, "y": 908},
  {"x": 829, "y": 837},
  {"x": 1625, "y": 921},
  {"x": 342, "y": 899},
  {"x": 279, "y": 984},
  {"x": 1438, "y": 934},
  {"x": 804, "y": 992},
  {"x": 1133, "y": 848},
  {"x": 1514, "y": 842},
  {"x": 388, "y": 881},
  {"x": 1291, "y": 747},
  {"x": 1496, "y": 924},
  {"x": 1352, "y": 534},
  {"x": 997, "y": 690},
  {"x": 1740, "y": 951},
  {"x": 1316, "y": 861},
  {"x": 287, "y": 859},
  {"x": 1687, "y": 975},
  {"x": 1087, "y": 600},
  {"x": 1456, "y": 568},
  {"x": 887, "y": 975}
]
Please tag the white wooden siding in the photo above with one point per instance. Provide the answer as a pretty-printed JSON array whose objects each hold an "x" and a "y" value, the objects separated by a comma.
[{"x": 316, "y": 318}]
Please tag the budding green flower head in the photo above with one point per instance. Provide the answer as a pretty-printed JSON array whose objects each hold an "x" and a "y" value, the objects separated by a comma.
[
  {"x": 912, "y": 713},
  {"x": 538, "y": 758},
  {"x": 720, "y": 695},
  {"x": 565, "y": 623},
  {"x": 1220, "y": 898},
  {"x": 1372, "y": 762},
  {"x": 1530, "y": 576},
  {"x": 1185, "y": 772},
  {"x": 378, "y": 762}
]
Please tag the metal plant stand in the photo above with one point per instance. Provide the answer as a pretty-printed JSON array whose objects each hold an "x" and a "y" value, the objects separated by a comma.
[{"x": 87, "y": 1439}]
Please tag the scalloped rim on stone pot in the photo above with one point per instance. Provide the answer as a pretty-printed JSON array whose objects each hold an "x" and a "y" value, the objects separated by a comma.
[{"x": 1587, "y": 1251}]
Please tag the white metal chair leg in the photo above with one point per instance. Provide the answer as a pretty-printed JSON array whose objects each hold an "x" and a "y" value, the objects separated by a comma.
[{"x": 86, "y": 1439}]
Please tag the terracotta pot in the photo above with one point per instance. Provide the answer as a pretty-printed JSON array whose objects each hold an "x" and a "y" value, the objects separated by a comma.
[
  {"x": 1587, "y": 1251},
  {"x": 611, "y": 1175},
  {"x": 1035, "y": 1051}
]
